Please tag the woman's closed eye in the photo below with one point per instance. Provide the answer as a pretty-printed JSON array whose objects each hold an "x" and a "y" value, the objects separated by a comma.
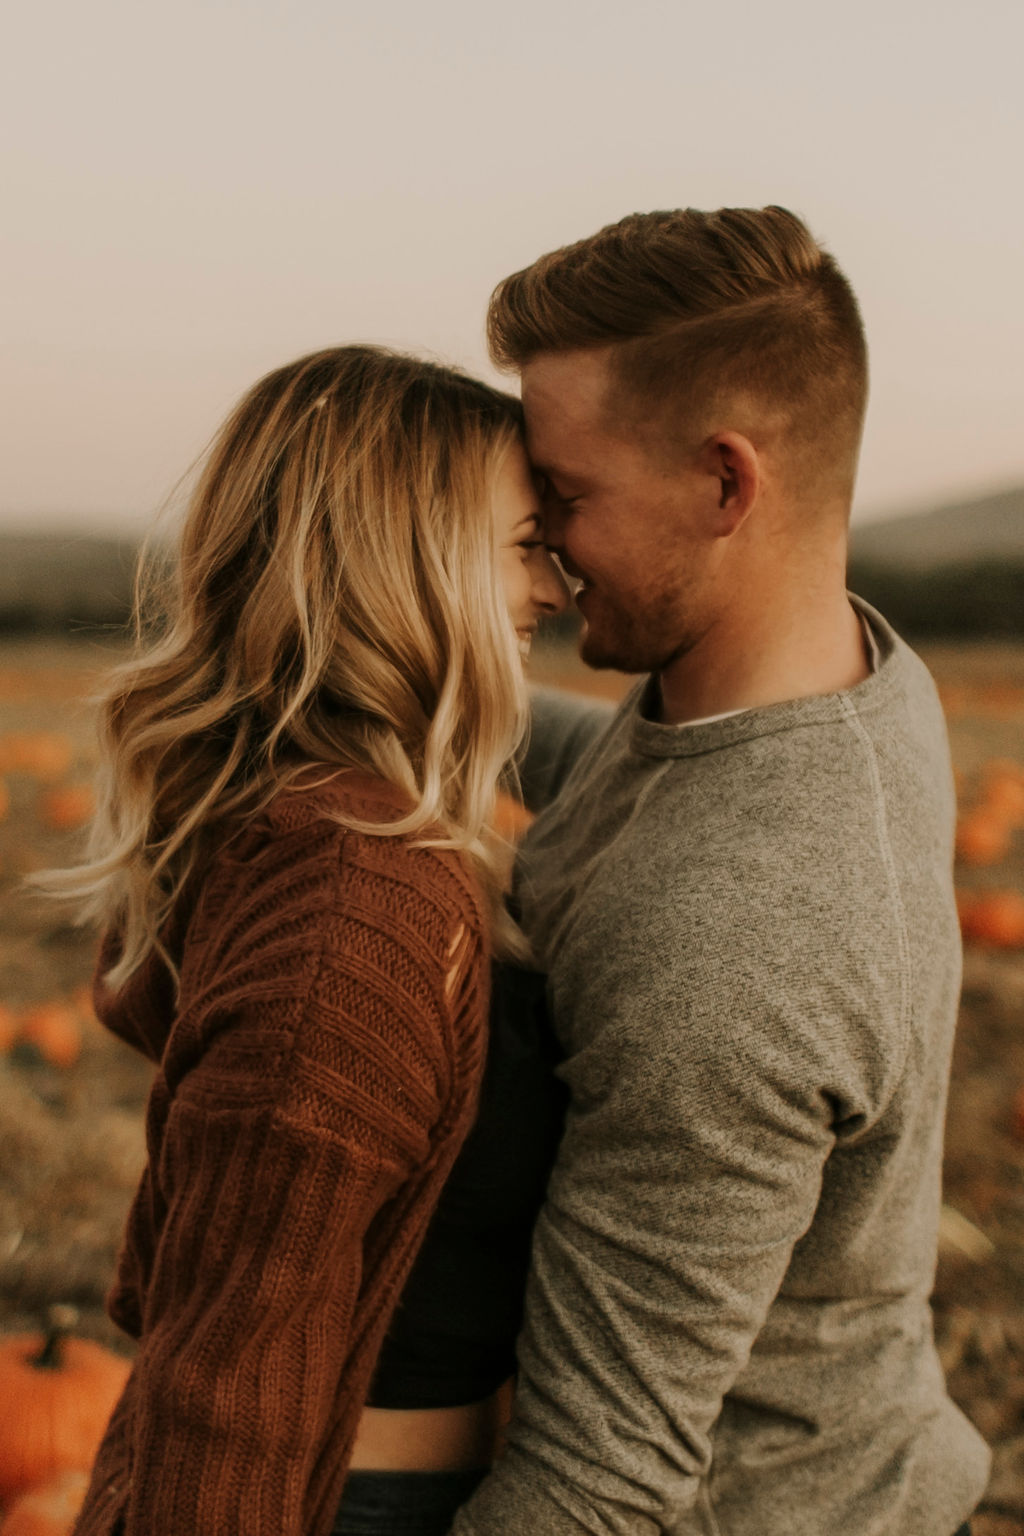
[
  {"x": 529, "y": 544},
  {"x": 528, "y": 536}
]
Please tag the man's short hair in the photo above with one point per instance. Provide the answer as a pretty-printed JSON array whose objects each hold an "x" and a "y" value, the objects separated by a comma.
[{"x": 698, "y": 307}]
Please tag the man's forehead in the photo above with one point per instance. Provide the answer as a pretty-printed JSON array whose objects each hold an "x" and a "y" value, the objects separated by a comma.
[
  {"x": 573, "y": 384},
  {"x": 564, "y": 396}
]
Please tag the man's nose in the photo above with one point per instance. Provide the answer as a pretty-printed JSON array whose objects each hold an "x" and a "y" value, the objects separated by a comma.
[{"x": 550, "y": 590}]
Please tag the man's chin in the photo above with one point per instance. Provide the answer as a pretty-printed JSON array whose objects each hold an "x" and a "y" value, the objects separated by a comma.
[
  {"x": 621, "y": 650},
  {"x": 602, "y": 655}
]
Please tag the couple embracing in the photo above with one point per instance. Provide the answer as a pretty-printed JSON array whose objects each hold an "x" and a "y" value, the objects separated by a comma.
[{"x": 596, "y": 1194}]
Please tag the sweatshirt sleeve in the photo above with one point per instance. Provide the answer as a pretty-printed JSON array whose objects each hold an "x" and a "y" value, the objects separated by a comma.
[
  {"x": 562, "y": 727},
  {"x": 322, "y": 1095},
  {"x": 691, "y": 1165}
]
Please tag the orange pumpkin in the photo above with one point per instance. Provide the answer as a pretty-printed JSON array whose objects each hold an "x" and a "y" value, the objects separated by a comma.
[
  {"x": 1004, "y": 794},
  {"x": 68, "y": 807},
  {"x": 55, "y": 1030},
  {"x": 8, "y": 1027},
  {"x": 997, "y": 918},
  {"x": 58, "y": 1394},
  {"x": 965, "y": 904},
  {"x": 49, "y": 1510},
  {"x": 982, "y": 838},
  {"x": 81, "y": 1002},
  {"x": 45, "y": 755},
  {"x": 511, "y": 818}
]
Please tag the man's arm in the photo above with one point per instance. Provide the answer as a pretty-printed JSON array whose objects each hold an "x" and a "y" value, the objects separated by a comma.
[
  {"x": 562, "y": 727},
  {"x": 691, "y": 1165}
]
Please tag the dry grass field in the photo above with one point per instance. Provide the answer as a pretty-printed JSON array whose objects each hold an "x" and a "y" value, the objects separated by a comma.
[{"x": 71, "y": 1099}]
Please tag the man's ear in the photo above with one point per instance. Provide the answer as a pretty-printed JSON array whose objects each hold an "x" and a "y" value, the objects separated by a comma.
[{"x": 732, "y": 461}]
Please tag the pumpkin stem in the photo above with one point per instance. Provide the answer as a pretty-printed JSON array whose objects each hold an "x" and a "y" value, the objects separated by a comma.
[{"x": 60, "y": 1322}]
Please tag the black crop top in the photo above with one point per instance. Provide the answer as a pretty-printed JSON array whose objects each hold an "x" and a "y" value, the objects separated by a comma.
[{"x": 452, "y": 1338}]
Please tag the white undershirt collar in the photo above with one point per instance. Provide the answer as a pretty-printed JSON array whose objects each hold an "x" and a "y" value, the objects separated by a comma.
[{"x": 874, "y": 657}]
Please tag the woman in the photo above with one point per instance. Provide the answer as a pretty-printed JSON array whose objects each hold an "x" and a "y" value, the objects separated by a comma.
[{"x": 300, "y": 892}]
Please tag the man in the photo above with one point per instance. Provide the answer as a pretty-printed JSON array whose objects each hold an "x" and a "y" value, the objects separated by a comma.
[{"x": 743, "y": 898}]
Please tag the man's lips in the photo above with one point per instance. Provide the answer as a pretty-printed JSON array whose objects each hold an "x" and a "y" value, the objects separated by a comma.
[{"x": 572, "y": 573}]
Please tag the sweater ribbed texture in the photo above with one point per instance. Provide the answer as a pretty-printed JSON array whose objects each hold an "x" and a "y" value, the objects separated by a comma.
[
  {"x": 314, "y": 1084},
  {"x": 754, "y": 964}
]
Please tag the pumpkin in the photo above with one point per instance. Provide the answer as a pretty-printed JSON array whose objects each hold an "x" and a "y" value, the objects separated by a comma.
[
  {"x": 55, "y": 1030},
  {"x": 68, "y": 807},
  {"x": 46, "y": 755},
  {"x": 997, "y": 917},
  {"x": 511, "y": 818},
  {"x": 49, "y": 1510},
  {"x": 982, "y": 838},
  {"x": 58, "y": 1394},
  {"x": 8, "y": 1027},
  {"x": 81, "y": 1001},
  {"x": 965, "y": 904},
  {"x": 1004, "y": 794},
  {"x": 5, "y": 800}
]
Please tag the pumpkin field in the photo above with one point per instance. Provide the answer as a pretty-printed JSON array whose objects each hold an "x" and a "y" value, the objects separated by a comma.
[{"x": 72, "y": 1098}]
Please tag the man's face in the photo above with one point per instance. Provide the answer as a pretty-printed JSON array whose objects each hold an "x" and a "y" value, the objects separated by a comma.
[{"x": 622, "y": 521}]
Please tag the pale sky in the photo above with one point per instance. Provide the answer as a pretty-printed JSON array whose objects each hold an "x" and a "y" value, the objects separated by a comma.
[{"x": 197, "y": 192}]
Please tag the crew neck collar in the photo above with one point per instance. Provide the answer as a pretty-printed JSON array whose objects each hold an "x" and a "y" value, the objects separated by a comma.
[{"x": 692, "y": 738}]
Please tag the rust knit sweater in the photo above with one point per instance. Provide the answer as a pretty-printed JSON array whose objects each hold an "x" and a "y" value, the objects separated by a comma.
[{"x": 315, "y": 1081}]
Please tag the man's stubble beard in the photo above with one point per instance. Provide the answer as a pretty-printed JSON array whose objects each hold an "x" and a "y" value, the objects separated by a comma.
[{"x": 639, "y": 642}]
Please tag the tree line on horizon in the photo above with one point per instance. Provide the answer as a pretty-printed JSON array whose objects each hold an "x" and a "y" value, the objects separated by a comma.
[
  {"x": 82, "y": 587},
  {"x": 968, "y": 600}
]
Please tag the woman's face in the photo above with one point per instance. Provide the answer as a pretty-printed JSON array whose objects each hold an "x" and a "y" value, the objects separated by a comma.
[{"x": 534, "y": 586}]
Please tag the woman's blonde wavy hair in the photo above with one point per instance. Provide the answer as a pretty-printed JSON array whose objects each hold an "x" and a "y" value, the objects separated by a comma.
[{"x": 335, "y": 601}]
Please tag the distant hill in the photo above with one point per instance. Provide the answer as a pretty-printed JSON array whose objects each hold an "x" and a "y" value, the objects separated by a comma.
[
  {"x": 957, "y": 570},
  {"x": 967, "y": 532}
]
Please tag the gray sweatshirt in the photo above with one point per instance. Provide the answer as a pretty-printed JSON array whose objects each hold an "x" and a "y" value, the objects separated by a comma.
[{"x": 754, "y": 965}]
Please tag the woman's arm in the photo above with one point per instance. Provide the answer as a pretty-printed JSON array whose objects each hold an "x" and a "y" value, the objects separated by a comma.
[{"x": 249, "y": 1361}]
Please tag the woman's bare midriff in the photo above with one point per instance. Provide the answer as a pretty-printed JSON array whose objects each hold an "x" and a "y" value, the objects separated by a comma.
[{"x": 432, "y": 1439}]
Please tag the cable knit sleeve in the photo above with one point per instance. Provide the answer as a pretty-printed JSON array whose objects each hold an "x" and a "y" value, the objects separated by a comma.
[{"x": 313, "y": 1096}]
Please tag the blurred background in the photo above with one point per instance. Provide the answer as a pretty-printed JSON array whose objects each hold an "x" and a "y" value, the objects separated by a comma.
[{"x": 195, "y": 194}]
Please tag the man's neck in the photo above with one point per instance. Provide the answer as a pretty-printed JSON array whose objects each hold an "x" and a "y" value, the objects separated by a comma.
[{"x": 750, "y": 660}]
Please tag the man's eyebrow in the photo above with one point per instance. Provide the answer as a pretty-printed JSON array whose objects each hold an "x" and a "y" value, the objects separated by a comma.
[{"x": 553, "y": 472}]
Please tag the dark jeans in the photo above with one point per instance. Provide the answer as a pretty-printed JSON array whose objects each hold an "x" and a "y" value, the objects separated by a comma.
[{"x": 402, "y": 1503}]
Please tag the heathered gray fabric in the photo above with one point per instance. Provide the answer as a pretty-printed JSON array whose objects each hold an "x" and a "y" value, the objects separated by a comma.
[
  {"x": 754, "y": 966},
  {"x": 562, "y": 727}
]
